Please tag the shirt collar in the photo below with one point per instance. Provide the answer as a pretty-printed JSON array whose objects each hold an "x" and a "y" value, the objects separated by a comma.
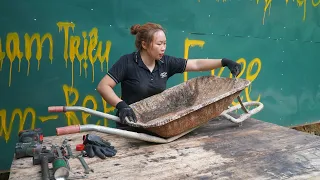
[{"x": 138, "y": 60}]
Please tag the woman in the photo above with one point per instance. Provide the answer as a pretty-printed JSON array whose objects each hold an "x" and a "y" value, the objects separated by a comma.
[{"x": 144, "y": 73}]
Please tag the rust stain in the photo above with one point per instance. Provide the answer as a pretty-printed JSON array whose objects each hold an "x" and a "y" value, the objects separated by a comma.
[
  {"x": 192, "y": 104},
  {"x": 309, "y": 128}
]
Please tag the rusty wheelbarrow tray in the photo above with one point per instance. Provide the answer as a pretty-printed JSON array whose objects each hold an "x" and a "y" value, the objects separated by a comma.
[{"x": 176, "y": 111}]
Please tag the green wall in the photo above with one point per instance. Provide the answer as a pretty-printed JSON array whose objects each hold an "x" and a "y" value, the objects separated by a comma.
[{"x": 276, "y": 41}]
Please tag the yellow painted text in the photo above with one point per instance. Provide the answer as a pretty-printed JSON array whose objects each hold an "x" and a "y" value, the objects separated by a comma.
[
  {"x": 83, "y": 48},
  {"x": 300, "y": 3},
  {"x": 246, "y": 70},
  {"x": 187, "y": 44},
  {"x": 92, "y": 48},
  {"x": 72, "y": 98}
]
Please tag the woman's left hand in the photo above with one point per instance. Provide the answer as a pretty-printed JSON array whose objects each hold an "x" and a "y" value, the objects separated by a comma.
[{"x": 234, "y": 67}]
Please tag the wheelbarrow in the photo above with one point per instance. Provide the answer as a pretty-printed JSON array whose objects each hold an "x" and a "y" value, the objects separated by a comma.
[{"x": 176, "y": 111}]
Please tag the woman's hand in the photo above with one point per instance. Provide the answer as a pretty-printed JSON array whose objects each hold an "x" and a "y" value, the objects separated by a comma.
[
  {"x": 234, "y": 67},
  {"x": 125, "y": 111}
]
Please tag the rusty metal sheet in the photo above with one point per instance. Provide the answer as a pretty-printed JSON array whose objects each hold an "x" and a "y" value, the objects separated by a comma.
[{"x": 187, "y": 105}]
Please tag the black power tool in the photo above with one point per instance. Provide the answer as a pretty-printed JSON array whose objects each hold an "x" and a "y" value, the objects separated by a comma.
[{"x": 29, "y": 143}]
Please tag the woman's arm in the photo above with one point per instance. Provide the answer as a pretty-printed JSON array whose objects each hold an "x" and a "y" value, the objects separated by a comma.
[
  {"x": 209, "y": 64},
  {"x": 203, "y": 64},
  {"x": 105, "y": 89}
]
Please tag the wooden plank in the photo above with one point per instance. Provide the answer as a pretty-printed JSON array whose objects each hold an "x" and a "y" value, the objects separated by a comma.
[{"x": 217, "y": 150}]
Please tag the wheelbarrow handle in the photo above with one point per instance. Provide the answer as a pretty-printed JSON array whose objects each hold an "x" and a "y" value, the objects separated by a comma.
[
  {"x": 83, "y": 109},
  {"x": 245, "y": 115},
  {"x": 91, "y": 127},
  {"x": 124, "y": 133}
]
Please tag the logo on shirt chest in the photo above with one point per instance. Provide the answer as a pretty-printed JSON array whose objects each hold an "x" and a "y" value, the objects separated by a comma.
[{"x": 163, "y": 74}]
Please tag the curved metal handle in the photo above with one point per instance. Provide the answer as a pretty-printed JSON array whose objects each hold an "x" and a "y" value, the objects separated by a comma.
[
  {"x": 62, "y": 109},
  {"x": 245, "y": 115}
]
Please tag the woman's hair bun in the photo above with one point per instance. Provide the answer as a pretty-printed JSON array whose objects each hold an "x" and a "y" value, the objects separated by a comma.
[{"x": 135, "y": 29}]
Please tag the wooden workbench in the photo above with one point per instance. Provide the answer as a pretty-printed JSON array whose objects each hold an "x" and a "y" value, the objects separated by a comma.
[{"x": 218, "y": 150}]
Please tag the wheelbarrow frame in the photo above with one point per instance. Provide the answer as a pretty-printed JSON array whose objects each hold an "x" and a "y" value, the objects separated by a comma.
[{"x": 175, "y": 126}]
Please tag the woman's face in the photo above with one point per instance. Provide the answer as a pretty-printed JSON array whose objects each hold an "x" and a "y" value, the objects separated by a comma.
[{"x": 158, "y": 45}]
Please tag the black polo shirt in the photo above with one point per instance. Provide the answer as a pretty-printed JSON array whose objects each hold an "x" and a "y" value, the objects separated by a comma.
[{"x": 137, "y": 82}]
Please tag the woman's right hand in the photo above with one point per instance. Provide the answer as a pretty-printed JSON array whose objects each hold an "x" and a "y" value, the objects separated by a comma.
[{"x": 125, "y": 111}]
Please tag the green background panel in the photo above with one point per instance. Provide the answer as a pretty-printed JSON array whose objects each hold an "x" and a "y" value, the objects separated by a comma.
[{"x": 286, "y": 42}]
